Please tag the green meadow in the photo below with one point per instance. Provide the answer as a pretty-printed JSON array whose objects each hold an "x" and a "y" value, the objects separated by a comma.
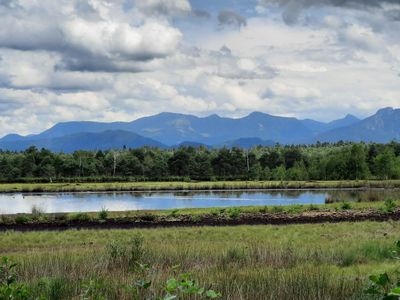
[{"x": 319, "y": 261}]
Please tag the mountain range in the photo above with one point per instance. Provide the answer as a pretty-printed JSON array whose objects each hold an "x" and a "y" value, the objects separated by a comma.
[{"x": 172, "y": 129}]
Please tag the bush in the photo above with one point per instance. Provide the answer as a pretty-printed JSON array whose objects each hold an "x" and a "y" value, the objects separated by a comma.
[
  {"x": 174, "y": 213},
  {"x": 9, "y": 286},
  {"x": 345, "y": 205},
  {"x": 263, "y": 209},
  {"x": 234, "y": 213},
  {"x": 389, "y": 205},
  {"x": 126, "y": 255},
  {"x": 36, "y": 211},
  {"x": 382, "y": 286},
  {"x": 277, "y": 209},
  {"x": 22, "y": 219},
  {"x": 103, "y": 214},
  {"x": 313, "y": 207},
  {"x": 80, "y": 217},
  {"x": 295, "y": 209},
  {"x": 147, "y": 217},
  {"x": 60, "y": 217}
]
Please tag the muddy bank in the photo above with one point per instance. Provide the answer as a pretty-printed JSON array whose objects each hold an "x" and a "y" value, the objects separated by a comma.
[{"x": 150, "y": 221}]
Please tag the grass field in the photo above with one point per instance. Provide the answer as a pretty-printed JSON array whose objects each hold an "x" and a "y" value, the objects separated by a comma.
[
  {"x": 323, "y": 261},
  {"x": 145, "y": 186}
]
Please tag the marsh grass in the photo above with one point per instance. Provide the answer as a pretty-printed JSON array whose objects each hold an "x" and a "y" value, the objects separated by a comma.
[
  {"x": 206, "y": 185},
  {"x": 321, "y": 261}
]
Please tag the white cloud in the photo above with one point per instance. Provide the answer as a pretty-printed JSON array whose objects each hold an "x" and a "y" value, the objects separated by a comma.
[
  {"x": 120, "y": 40},
  {"x": 119, "y": 60},
  {"x": 164, "y": 7}
]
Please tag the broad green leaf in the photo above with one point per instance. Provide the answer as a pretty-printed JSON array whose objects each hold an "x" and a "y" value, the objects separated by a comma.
[
  {"x": 212, "y": 294},
  {"x": 395, "y": 292},
  {"x": 172, "y": 285}
]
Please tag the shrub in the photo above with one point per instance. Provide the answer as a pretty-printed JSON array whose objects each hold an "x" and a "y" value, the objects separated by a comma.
[
  {"x": 126, "y": 255},
  {"x": 174, "y": 213},
  {"x": 80, "y": 217},
  {"x": 263, "y": 209},
  {"x": 103, "y": 214},
  {"x": 136, "y": 250},
  {"x": 214, "y": 212},
  {"x": 9, "y": 286},
  {"x": 234, "y": 213},
  {"x": 313, "y": 207},
  {"x": 345, "y": 205},
  {"x": 295, "y": 209},
  {"x": 116, "y": 253},
  {"x": 147, "y": 217},
  {"x": 60, "y": 217},
  {"x": 389, "y": 205},
  {"x": 36, "y": 211},
  {"x": 382, "y": 286},
  {"x": 22, "y": 219},
  {"x": 277, "y": 209}
]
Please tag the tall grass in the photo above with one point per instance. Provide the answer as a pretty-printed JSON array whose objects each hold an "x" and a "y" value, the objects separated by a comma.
[
  {"x": 324, "y": 261},
  {"x": 180, "y": 185}
]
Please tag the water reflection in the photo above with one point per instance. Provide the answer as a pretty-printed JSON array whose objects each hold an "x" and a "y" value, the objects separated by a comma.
[{"x": 121, "y": 201}]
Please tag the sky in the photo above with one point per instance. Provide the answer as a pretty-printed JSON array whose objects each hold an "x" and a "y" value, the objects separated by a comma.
[{"x": 118, "y": 60}]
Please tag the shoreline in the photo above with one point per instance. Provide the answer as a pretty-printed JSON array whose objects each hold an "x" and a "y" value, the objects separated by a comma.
[
  {"x": 7, "y": 188},
  {"x": 150, "y": 221}
]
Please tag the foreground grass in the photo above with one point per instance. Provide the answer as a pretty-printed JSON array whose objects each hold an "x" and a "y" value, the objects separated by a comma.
[
  {"x": 323, "y": 261},
  {"x": 146, "y": 186}
]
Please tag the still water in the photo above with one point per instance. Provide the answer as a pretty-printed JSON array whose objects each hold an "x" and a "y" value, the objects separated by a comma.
[{"x": 122, "y": 201}]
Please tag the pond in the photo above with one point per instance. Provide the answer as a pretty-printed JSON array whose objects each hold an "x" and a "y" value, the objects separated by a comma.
[{"x": 123, "y": 201}]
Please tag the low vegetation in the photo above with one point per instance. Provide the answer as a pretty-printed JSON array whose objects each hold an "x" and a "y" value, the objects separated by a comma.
[
  {"x": 189, "y": 185},
  {"x": 339, "y": 211},
  {"x": 320, "y": 261}
]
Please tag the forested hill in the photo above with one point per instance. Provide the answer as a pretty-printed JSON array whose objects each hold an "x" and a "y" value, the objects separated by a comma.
[{"x": 317, "y": 162}]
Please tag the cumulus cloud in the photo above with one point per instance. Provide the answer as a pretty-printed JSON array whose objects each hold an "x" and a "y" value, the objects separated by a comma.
[
  {"x": 120, "y": 40},
  {"x": 164, "y": 7},
  {"x": 293, "y": 8},
  {"x": 393, "y": 15},
  {"x": 92, "y": 34},
  {"x": 231, "y": 18},
  {"x": 119, "y": 60}
]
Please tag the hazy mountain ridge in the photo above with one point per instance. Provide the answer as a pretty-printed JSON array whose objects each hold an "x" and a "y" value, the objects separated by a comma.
[
  {"x": 172, "y": 129},
  {"x": 384, "y": 126},
  {"x": 110, "y": 139}
]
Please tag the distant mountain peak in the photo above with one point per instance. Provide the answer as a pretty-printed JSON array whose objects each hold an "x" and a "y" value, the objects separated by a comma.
[
  {"x": 12, "y": 137},
  {"x": 385, "y": 110},
  {"x": 350, "y": 117},
  {"x": 258, "y": 114},
  {"x": 169, "y": 129},
  {"x": 213, "y": 116}
]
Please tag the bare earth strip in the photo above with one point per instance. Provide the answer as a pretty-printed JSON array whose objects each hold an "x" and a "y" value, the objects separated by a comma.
[{"x": 309, "y": 217}]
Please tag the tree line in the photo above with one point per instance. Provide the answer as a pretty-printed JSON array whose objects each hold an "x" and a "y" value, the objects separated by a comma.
[{"x": 339, "y": 161}]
